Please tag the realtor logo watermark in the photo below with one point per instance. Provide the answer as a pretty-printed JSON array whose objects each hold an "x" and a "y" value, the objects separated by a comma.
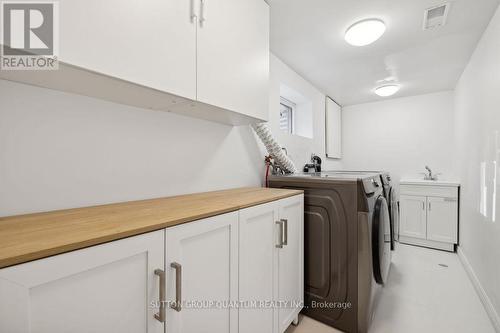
[{"x": 30, "y": 35}]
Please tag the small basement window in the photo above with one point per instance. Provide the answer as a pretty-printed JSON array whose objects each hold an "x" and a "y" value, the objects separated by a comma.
[
  {"x": 295, "y": 113},
  {"x": 287, "y": 109}
]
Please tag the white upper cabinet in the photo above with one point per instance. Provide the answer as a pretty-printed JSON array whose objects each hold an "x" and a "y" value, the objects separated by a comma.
[
  {"x": 233, "y": 55},
  {"x": 148, "y": 42},
  {"x": 207, "y": 59},
  {"x": 103, "y": 288}
]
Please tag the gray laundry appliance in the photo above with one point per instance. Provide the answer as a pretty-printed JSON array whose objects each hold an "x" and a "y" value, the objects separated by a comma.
[{"x": 347, "y": 245}]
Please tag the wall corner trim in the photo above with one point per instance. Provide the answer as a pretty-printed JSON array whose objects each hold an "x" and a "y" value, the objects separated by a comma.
[{"x": 488, "y": 305}]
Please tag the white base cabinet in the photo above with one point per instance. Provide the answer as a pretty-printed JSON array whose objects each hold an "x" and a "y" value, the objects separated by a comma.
[
  {"x": 237, "y": 272},
  {"x": 202, "y": 275},
  {"x": 271, "y": 265},
  {"x": 429, "y": 215},
  {"x": 290, "y": 268},
  {"x": 104, "y": 288},
  {"x": 258, "y": 259}
]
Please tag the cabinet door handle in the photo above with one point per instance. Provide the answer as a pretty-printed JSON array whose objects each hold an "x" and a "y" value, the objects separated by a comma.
[
  {"x": 450, "y": 199},
  {"x": 202, "y": 12},
  {"x": 285, "y": 231},
  {"x": 423, "y": 205},
  {"x": 160, "y": 316},
  {"x": 178, "y": 286},
  {"x": 281, "y": 224},
  {"x": 430, "y": 207}
]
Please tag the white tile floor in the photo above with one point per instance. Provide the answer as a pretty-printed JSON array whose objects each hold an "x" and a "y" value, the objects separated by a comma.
[{"x": 422, "y": 296}]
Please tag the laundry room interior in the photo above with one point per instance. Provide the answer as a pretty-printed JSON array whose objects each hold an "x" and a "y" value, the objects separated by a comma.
[{"x": 271, "y": 166}]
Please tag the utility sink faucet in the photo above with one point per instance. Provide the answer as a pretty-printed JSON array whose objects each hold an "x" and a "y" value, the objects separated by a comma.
[{"x": 430, "y": 175}]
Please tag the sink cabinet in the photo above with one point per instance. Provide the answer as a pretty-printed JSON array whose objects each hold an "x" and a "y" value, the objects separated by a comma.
[{"x": 429, "y": 214}]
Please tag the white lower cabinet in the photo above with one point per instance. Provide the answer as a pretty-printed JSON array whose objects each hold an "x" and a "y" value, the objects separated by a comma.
[
  {"x": 202, "y": 275},
  {"x": 442, "y": 216},
  {"x": 189, "y": 278},
  {"x": 413, "y": 221},
  {"x": 104, "y": 288},
  {"x": 271, "y": 265},
  {"x": 429, "y": 215},
  {"x": 258, "y": 259},
  {"x": 291, "y": 262}
]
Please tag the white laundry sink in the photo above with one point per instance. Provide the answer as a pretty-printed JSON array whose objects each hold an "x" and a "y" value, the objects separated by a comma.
[{"x": 416, "y": 181}]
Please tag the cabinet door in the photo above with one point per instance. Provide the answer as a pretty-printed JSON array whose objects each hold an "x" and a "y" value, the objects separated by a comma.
[
  {"x": 149, "y": 42},
  {"x": 442, "y": 219},
  {"x": 258, "y": 256},
  {"x": 413, "y": 216},
  {"x": 290, "y": 268},
  {"x": 104, "y": 288},
  {"x": 233, "y": 56},
  {"x": 205, "y": 253}
]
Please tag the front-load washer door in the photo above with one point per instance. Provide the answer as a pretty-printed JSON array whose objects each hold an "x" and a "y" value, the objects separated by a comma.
[{"x": 381, "y": 240}]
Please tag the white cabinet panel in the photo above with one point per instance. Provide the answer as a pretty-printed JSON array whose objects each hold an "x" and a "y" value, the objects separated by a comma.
[
  {"x": 290, "y": 268},
  {"x": 333, "y": 130},
  {"x": 149, "y": 42},
  {"x": 258, "y": 256},
  {"x": 233, "y": 56},
  {"x": 442, "y": 215},
  {"x": 207, "y": 254},
  {"x": 104, "y": 288},
  {"x": 413, "y": 216}
]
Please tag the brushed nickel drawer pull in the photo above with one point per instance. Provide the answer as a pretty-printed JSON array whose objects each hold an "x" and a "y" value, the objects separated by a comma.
[
  {"x": 285, "y": 232},
  {"x": 281, "y": 224},
  {"x": 178, "y": 286},
  {"x": 160, "y": 316}
]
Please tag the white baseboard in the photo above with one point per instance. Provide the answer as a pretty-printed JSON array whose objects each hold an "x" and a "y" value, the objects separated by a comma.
[{"x": 488, "y": 305}]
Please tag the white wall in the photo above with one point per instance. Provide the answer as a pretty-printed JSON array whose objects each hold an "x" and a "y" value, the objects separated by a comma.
[
  {"x": 299, "y": 148},
  {"x": 477, "y": 158},
  {"x": 400, "y": 135},
  {"x": 59, "y": 150}
]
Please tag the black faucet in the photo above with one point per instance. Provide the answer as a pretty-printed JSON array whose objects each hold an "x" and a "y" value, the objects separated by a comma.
[{"x": 316, "y": 164}]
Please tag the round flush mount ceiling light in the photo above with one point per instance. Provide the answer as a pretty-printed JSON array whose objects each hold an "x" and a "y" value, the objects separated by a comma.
[
  {"x": 387, "y": 90},
  {"x": 365, "y": 32}
]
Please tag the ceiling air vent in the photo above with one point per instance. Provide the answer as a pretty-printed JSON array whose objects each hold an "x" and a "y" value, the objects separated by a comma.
[{"x": 435, "y": 17}]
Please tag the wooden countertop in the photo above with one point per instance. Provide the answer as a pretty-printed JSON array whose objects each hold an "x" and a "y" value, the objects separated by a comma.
[{"x": 34, "y": 236}]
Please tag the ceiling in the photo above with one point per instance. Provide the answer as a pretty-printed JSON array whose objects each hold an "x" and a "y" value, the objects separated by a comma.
[{"x": 308, "y": 35}]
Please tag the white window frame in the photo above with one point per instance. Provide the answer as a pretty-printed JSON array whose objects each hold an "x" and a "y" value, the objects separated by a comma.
[{"x": 292, "y": 107}]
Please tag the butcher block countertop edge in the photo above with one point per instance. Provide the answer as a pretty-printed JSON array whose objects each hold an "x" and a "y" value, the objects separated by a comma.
[{"x": 29, "y": 237}]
